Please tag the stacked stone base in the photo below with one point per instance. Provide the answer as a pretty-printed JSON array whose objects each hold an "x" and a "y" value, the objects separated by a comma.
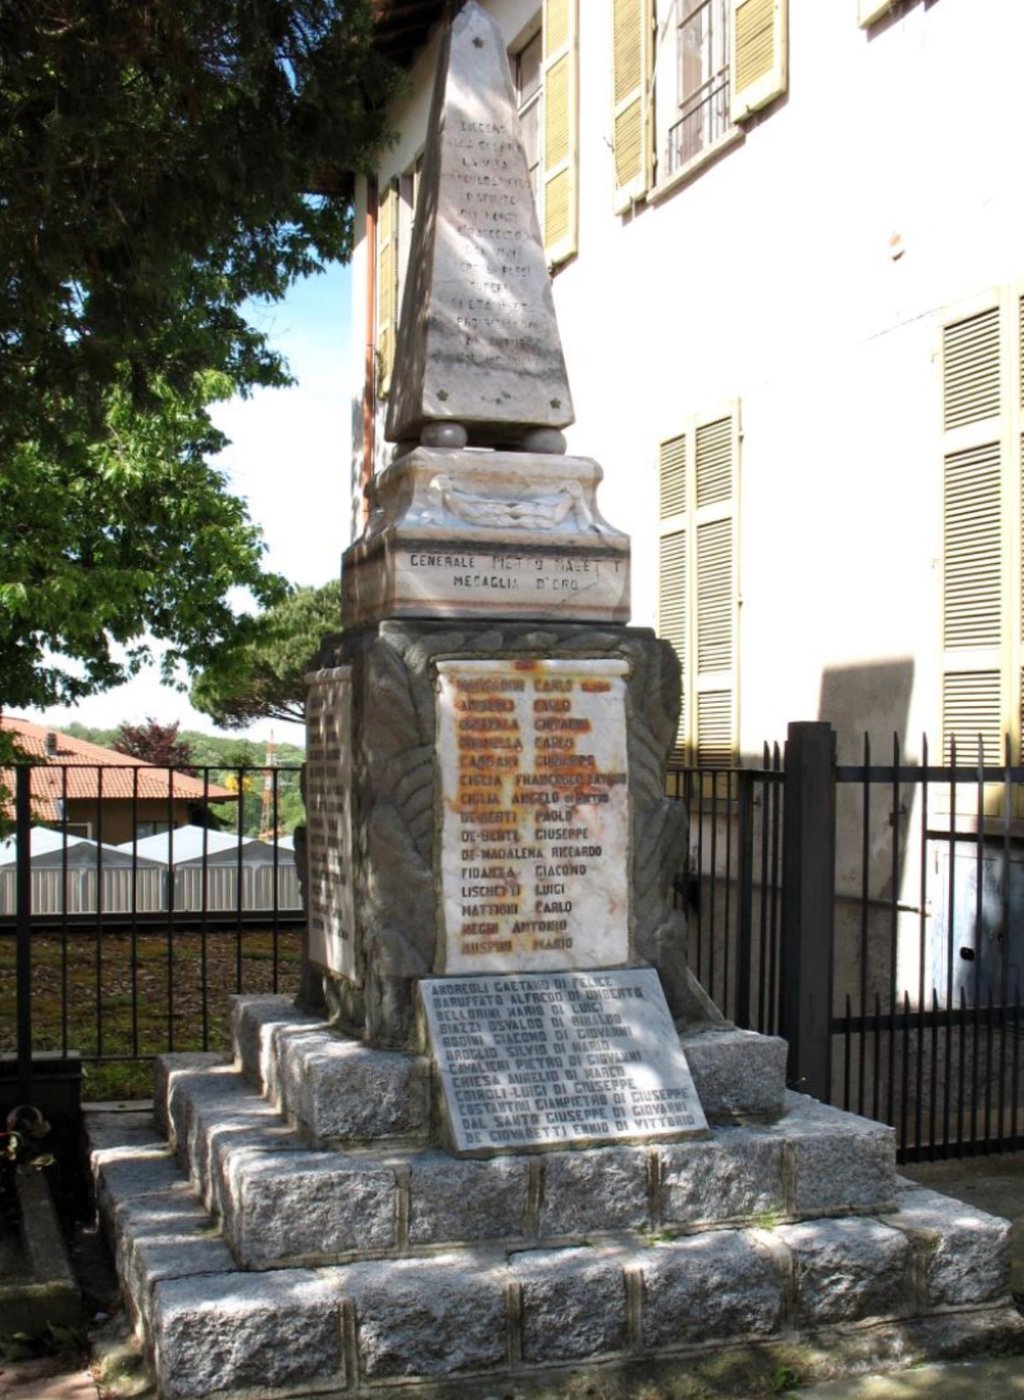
[{"x": 294, "y": 1233}]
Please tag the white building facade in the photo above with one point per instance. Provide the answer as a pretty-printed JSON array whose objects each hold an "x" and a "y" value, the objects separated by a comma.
[{"x": 787, "y": 242}]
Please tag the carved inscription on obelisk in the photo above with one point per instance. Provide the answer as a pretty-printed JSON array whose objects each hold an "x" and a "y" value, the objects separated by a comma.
[
  {"x": 535, "y": 824},
  {"x": 478, "y": 343}
]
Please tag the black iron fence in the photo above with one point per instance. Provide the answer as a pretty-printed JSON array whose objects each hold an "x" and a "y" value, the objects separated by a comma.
[
  {"x": 730, "y": 884},
  {"x": 873, "y": 914},
  {"x": 118, "y": 950},
  {"x": 870, "y": 912}
]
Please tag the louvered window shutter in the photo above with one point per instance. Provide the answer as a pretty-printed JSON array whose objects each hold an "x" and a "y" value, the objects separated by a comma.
[
  {"x": 714, "y": 680},
  {"x": 974, "y": 633},
  {"x": 673, "y": 571},
  {"x": 759, "y": 55},
  {"x": 387, "y": 285},
  {"x": 870, "y": 10},
  {"x": 631, "y": 77},
  {"x": 698, "y": 583},
  {"x": 561, "y": 144}
]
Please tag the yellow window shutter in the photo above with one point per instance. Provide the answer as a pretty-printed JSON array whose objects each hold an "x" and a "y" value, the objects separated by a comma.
[
  {"x": 560, "y": 175},
  {"x": 971, "y": 369},
  {"x": 698, "y": 594},
  {"x": 975, "y": 637},
  {"x": 387, "y": 285},
  {"x": 631, "y": 79},
  {"x": 672, "y": 477},
  {"x": 972, "y": 707},
  {"x": 870, "y": 10},
  {"x": 758, "y": 65},
  {"x": 674, "y": 618},
  {"x": 715, "y": 680}
]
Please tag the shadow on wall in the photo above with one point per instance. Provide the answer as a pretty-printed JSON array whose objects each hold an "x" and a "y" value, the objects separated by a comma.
[{"x": 872, "y": 698}]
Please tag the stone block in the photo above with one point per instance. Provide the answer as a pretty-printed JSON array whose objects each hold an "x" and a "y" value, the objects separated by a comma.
[
  {"x": 214, "y": 1113},
  {"x": 964, "y": 1253},
  {"x": 717, "y": 1286},
  {"x": 738, "y": 1074},
  {"x": 738, "y": 1174},
  {"x": 341, "y": 1089},
  {"x": 573, "y": 1303},
  {"x": 171, "y": 1073},
  {"x": 162, "y": 1237},
  {"x": 605, "y": 1188},
  {"x": 442, "y": 1316},
  {"x": 306, "y": 1207},
  {"x": 237, "y": 1331},
  {"x": 848, "y": 1270},
  {"x": 118, "y": 1129},
  {"x": 838, "y": 1161},
  {"x": 258, "y": 1023},
  {"x": 454, "y": 1201},
  {"x": 124, "y": 1173}
]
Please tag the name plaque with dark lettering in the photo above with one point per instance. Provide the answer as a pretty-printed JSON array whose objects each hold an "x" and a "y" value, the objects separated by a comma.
[
  {"x": 329, "y": 894},
  {"x": 559, "y": 1059},
  {"x": 535, "y": 825}
]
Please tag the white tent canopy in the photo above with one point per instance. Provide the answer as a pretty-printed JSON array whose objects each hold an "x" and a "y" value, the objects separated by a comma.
[
  {"x": 47, "y": 852},
  {"x": 185, "y": 846}
]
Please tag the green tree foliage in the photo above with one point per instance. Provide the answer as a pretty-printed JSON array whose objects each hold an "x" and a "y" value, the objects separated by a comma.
[
  {"x": 264, "y": 679},
  {"x": 164, "y": 161}
]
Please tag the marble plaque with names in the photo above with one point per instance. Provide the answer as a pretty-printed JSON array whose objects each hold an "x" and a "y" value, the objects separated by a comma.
[
  {"x": 329, "y": 894},
  {"x": 559, "y": 1060},
  {"x": 535, "y": 828}
]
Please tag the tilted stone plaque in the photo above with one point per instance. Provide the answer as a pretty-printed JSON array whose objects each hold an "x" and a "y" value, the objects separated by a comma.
[
  {"x": 535, "y": 813},
  {"x": 559, "y": 1059},
  {"x": 329, "y": 820}
]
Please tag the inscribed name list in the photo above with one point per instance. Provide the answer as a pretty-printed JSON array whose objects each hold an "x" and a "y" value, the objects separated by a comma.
[
  {"x": 329, "y": 820},
  {"x": 535, "y": 826},
  {"x": 559, "y": 1059}
]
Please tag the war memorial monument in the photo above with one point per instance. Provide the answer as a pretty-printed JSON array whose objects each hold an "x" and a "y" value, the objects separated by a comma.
[{"x": 517, "y": 1142}]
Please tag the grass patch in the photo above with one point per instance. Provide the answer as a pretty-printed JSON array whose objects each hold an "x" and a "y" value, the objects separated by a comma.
[{"x": 121, "y": 998}]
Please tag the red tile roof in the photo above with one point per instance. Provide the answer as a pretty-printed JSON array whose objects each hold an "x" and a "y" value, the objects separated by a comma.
[{"x": 77, "y": 769}]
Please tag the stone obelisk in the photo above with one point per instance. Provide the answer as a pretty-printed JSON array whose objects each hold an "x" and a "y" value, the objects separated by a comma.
[{"x": 488, "y": 742}]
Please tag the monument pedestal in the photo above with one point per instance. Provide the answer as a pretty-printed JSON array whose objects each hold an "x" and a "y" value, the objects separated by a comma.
[
  {"x": 487, "y": 534},
  {"x": 524, "y": 769},
  {"x": 293, "y": 1231}
]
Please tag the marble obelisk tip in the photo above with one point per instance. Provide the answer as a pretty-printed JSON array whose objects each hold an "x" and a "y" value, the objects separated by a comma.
[{"x": 478, "y": 356}]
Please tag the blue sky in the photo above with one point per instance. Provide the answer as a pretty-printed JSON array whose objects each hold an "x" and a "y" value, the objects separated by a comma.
[{"x": 289, "y": 459}]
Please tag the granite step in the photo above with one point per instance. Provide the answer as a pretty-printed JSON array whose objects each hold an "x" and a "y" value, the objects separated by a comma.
[
  {"x": 285, "y": 1199},
  {"x": 341, "y": 1091},
  {"x": 499, "y": 1312}
]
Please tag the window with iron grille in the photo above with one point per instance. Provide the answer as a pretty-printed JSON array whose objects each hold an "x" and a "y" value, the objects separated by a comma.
[
  {"x": 686, "y": 75},
  {"x": 544, "y": 65},
  {"x": 526, "y": 74},
  {"x": 702, "y": 81}
]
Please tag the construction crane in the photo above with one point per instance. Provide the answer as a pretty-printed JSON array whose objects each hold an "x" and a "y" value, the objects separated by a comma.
[{"x": 268, "y": 823}]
